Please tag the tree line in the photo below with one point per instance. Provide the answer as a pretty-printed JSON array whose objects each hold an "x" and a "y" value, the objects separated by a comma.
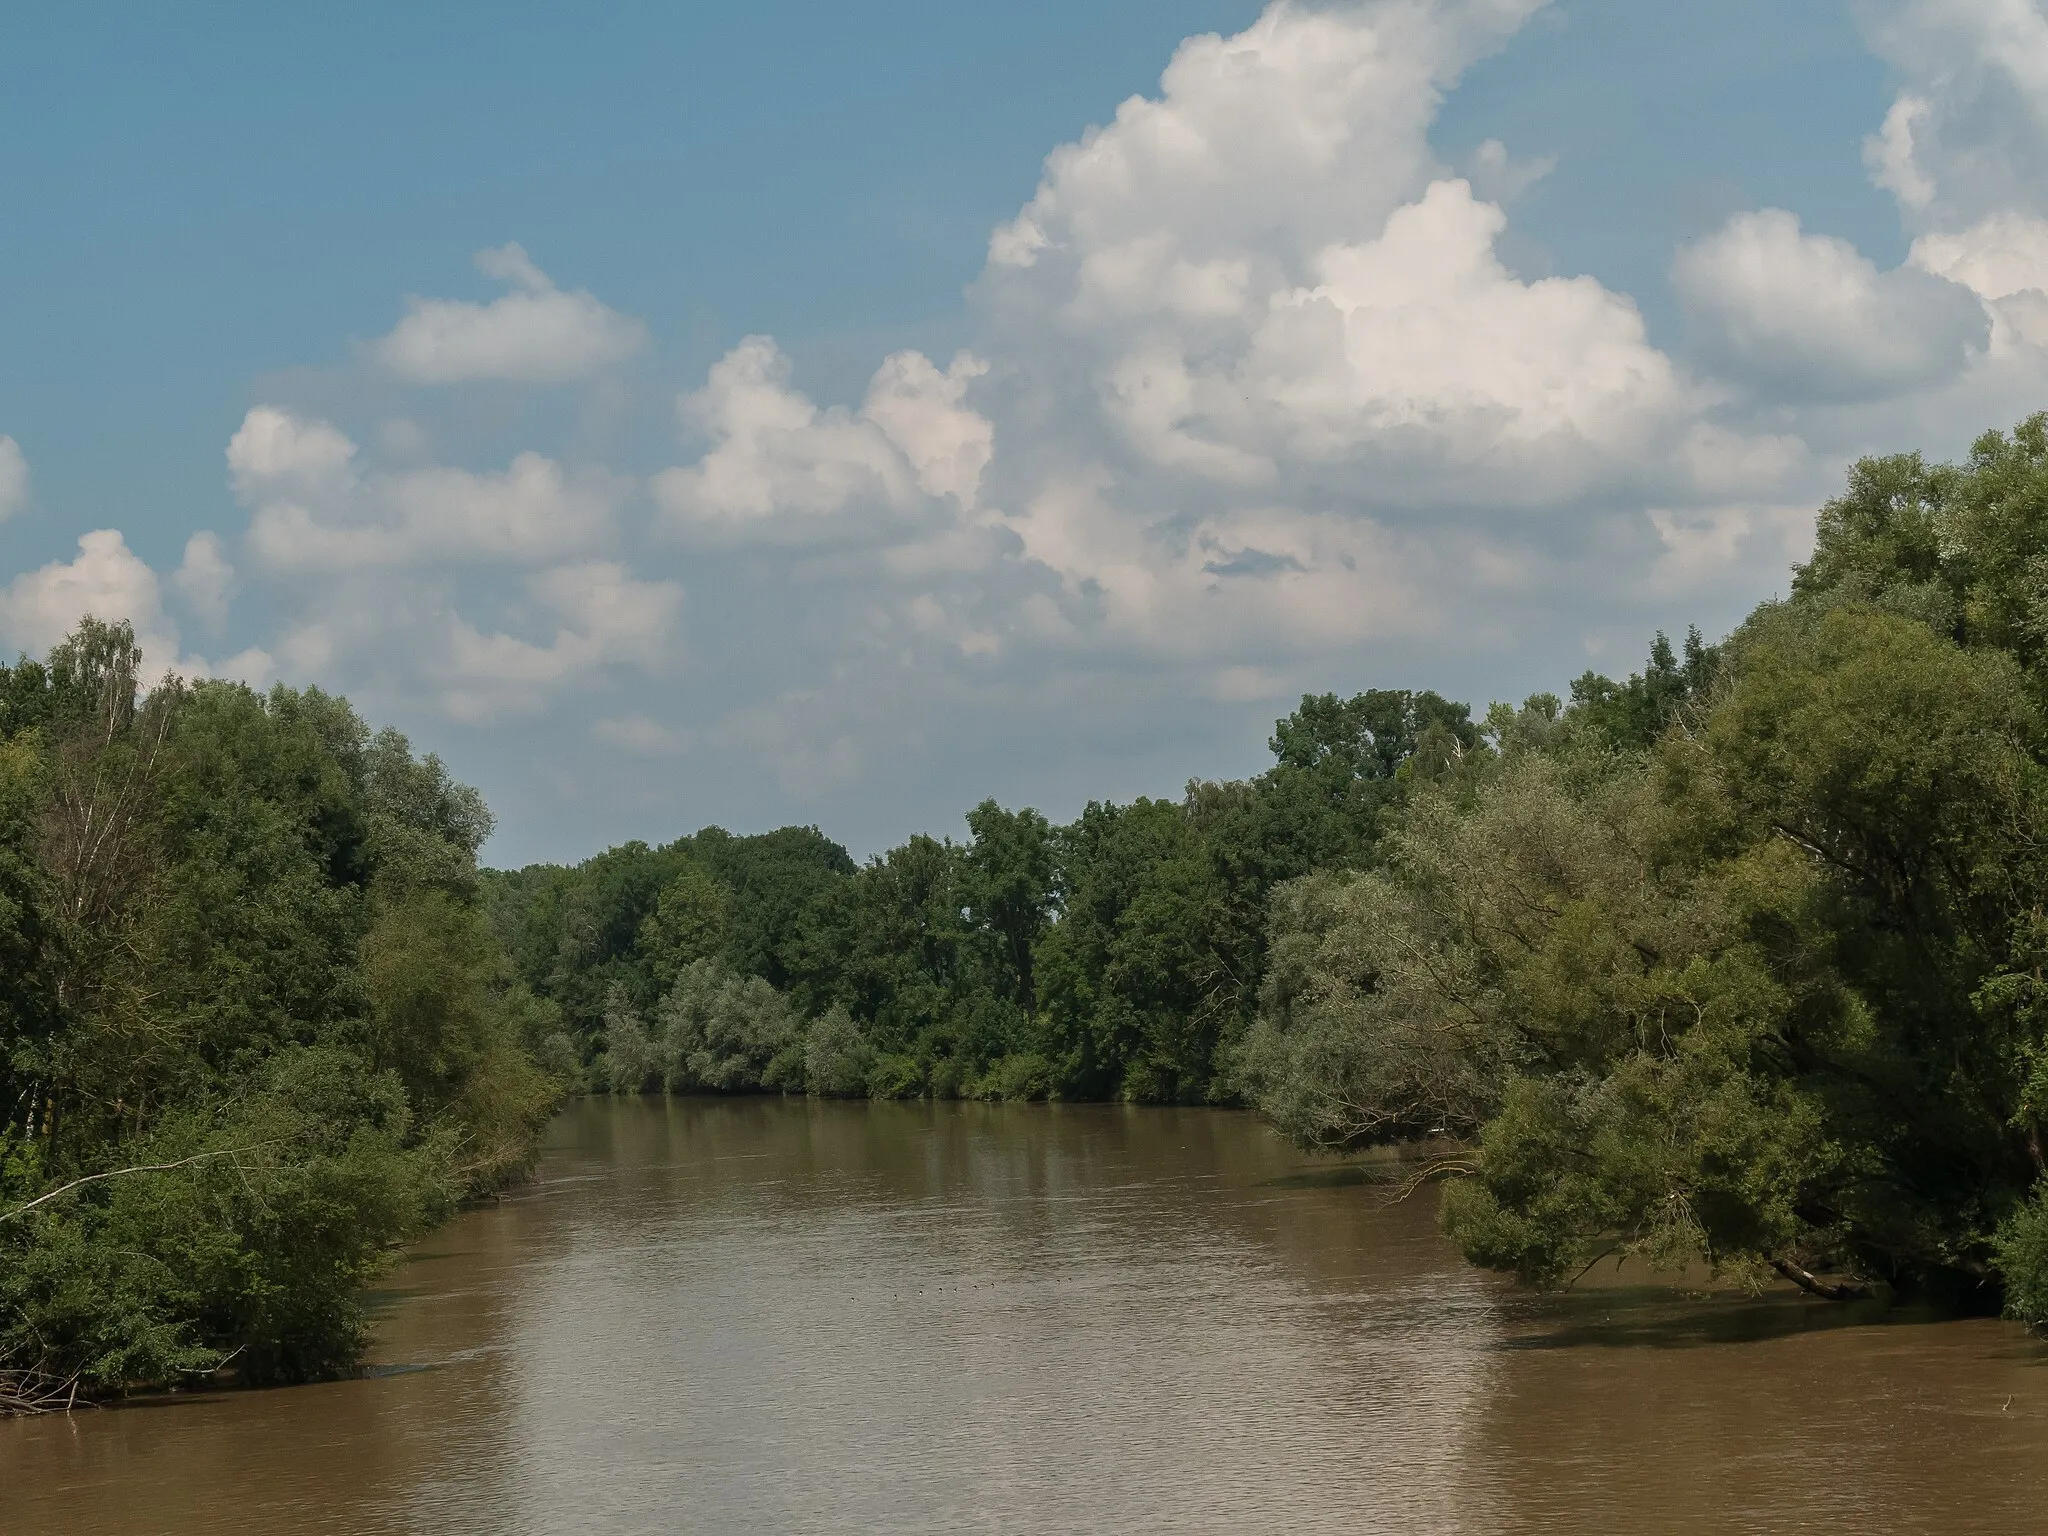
[{"x": 1118, "y": 956}]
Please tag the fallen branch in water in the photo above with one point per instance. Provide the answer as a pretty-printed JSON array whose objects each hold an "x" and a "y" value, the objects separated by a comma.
[
  {"x": 37, "y": 1391},
  {"x": 1811, "y": 1283},
  {"x": 1435, "y": 1168}
]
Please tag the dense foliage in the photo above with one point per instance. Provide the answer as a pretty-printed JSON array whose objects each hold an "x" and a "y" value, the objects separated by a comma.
[
  {"x": 1119, "y": 956},
  {"x": 1760, "y": 984},
  {"x": 254, "y": 1029}
]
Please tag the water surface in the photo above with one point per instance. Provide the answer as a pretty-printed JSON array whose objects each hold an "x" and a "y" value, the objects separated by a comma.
[{"x": 774, "y": 1315}]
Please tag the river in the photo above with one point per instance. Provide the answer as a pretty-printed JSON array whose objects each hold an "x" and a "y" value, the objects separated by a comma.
[{"x": 789, "y": 1316}]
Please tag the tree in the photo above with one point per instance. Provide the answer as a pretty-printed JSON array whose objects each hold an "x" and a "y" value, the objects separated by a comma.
[
  {"x": 1634, "y": 714},
  {"x": 253, "y": 1029},
  {"x": 691, "y": 921},
  {"x": 1008, "y": 885}
]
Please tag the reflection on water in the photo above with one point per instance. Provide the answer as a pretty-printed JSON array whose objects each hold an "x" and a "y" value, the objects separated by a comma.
[{"x": 784, "y": 1316}]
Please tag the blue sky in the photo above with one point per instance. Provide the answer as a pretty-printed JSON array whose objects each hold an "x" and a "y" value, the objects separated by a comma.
[
  {"x": 202, "y": 198},
  {"x": 1451, "y": 344}
]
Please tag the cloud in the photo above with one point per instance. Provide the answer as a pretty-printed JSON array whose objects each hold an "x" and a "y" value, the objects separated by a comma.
[
  {"x": 1266, "y": 386},
  {"x": 1500, "y": 178},
  {"x": 1253, "y": 399},
  {"x": 1415, "y": 351},
  {"x": 605, "y": 616},
  {"x": 2004, "y": 260},
  {"x": 1969, "y": 126},
  {"x": 536, "y": 334},
  {"x": 1958, "y": 150},
  {"x": 920, "y": 411},
  {"x": 1698, "y": 543},
  {"x": 315, "y": 509},
  {"x": 253, "y": 665},
  {"x": 375, "y": 566},
  {"x": 107, "y": 580},
  {"x": 13, "y": 478},
  {"x": 205, "y": 580},
  {"x": 1998, "y": 257},
  {"x": 795, "y": 736},
  {"x": 1892, "y": 154},
  {"x": 1806, "y": 316},
  {"x": 1279, "y": 139},
  {"x": 275, "y": 452},
  {"x": 782, "y": 469},
  {"x": 644, "y": 736}
]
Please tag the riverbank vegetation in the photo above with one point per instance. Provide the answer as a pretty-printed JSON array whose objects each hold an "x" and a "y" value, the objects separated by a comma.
[
  {"x": 254, "y": 1030},
  {"x": 1739, "y": 960},
  {"x": 1119, "y": 956},
  {"x": 1760, "y": 984}
]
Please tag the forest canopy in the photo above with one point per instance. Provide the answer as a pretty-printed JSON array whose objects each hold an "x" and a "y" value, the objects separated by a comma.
[{"x": 1119, "y": 956}]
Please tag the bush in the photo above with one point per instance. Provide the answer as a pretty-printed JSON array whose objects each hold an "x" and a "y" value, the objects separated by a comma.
[
  {"x": 254, "y": 1253},
  {"x": 896, "y": 1077},
  {"x": 632, "y": 1061},
  {"x": 255, "y": 1040},
  {"x": 837, "y": 1057},
  {"x": 1020, "y": 1075},
  {"x": 2021, "y": 1249},
  {"x": 726, "y": 1032}
]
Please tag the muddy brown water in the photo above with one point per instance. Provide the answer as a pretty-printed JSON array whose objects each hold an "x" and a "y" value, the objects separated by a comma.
[{"x": 773, "y": 1315}]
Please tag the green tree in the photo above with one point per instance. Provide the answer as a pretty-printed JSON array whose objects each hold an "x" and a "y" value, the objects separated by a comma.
[
  {"x": 691, "y": 921},
  {"x": 1634, "y": 714},
  {"x": 1009, "y": 895},
  {"x": 253, "y": 1029}
]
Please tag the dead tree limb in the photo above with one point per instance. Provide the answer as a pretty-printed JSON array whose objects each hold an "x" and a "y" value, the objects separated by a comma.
[
  {"x": 1811, "y": 1283},
  {"x": 115, "y": 1173}
]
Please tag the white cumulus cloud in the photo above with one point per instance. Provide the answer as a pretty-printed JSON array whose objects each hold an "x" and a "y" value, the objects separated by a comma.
[
  {"x": 1253, "y": 389},
  {"x": 1268, "y": 386},
  {"x": 379, "y": 567},
  {"x": 536, "y": 334},
  {"x": 1998, "y": 257},
  {"x": 106, "y": 580},
  {"x": 1807, "y": 316},
  {"x": 781, "y": 468},
  {"x": 275, "y": 452},
  {"x": 206, "y": 580},
  {"x": 1262, "y": 145},
  {"x": 1252, "y": 403},
  {"x": 1418, "y": 351},
  {"x": 13, "y": 478},
  {"x": 603, "y": 615},
  {"x": 1967, "y": 132},
  {"x": 314, "y": 508},
  {"x": 2004, "y": 260},
  {"x": 110, "y": 582}
]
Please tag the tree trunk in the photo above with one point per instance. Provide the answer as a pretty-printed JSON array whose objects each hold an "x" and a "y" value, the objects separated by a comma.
[{"x": 1811, "y": 1283}]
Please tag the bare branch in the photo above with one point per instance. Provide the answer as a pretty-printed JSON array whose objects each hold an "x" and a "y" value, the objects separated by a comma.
[
  {"x": 1808, "y": 1281},
  {"x": 115, "y": 1173}
]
